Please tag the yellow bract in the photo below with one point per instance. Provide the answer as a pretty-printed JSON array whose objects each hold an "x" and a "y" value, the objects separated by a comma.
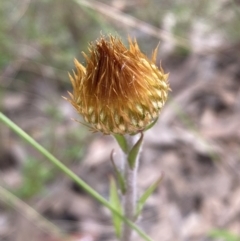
[{"x": 120, "y": 90}]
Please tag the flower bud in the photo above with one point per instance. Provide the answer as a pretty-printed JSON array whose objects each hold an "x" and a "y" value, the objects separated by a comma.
[{"x": 120, "y": 91}]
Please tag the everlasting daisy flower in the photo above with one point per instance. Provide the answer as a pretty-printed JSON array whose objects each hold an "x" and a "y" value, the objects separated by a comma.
[{"x": 120, "y": 91}]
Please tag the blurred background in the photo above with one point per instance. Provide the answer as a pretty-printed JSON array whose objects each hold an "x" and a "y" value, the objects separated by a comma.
[{"x": 195, "y": 143}]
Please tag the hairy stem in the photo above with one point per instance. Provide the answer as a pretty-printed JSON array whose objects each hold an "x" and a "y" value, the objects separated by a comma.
[{"x": 130, "y": 197}]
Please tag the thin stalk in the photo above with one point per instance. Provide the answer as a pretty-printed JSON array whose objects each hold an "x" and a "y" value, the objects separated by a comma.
[
  {"x": 130, "y": 196},
  {"x": 70, "y": 174}
]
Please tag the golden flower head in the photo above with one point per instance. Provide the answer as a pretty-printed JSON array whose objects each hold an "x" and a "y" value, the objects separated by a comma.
[{"x": 120, "y": 91}]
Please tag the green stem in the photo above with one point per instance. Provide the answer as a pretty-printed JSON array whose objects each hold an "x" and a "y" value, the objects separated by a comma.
[
  {"x": 70, "y": 174},
  {"x": 130, "y": 196}
]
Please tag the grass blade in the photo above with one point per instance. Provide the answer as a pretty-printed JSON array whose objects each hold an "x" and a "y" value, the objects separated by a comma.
[{"x": 224, "y": 235}]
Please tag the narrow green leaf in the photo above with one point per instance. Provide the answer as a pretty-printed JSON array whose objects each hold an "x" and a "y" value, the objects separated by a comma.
[
  {"x": 134, "y": 152},
  {"x": 121, "y": 142},
  {"x": 224, "y": 234},
  {"x": 120, "y": 178},
  {"x": 115, "y": 202},
  {"x": 146, "y": 195},
  {"x": 151, "y": 125}
]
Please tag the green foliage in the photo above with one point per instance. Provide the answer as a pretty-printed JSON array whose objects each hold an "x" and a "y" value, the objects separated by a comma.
[
  {"x": 223, "y": 235},
  {"x": 151, "y": 124},
  {"x": 134, "y": 152},
  {"x": 122, "y": 142},
  {"x": 116, "y": 203},
  {"x": 142, "y": 200},
  {"x": 120, "y": 178}
]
